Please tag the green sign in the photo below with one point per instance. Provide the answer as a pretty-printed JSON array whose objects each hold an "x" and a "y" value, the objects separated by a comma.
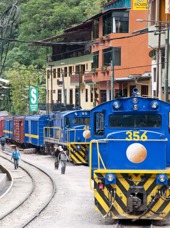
[{"x": 33, "y": 97}]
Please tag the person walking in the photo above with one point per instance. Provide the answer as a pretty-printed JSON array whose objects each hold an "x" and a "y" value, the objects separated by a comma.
[
  {"x": 56, "y": 155},
  {"x": 16, "y": 157},
  {"x": 3, "y": 141},
  {"x": 63, "y": 158}
]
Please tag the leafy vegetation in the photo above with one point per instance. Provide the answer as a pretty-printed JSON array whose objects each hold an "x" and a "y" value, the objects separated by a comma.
[{"x": 39, "y": 19}]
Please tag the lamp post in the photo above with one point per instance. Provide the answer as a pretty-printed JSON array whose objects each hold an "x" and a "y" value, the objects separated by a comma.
[
  {"x": 159, "y": 87},
  {"x": 63, "y": 83},
  {"x": 64, "y": 91},
  {"x": 50, "y": 105},
  {"x": 79, "y": 85},
  {"x": 166, "y": 64}
]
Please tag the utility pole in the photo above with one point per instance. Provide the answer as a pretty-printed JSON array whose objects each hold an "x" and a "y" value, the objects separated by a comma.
[
  {"x": 50, "y": 108},
  {"x": 64, "y": 91},
  {"x": 158, "y": 92},
  {"x": 79, "y": 86},
  {"x": 112, "y": 75},
  {"x": 166, "y": 64}
]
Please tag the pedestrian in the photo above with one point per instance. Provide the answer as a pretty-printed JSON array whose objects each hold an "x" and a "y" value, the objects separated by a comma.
[
  {"x": 3, "y": 141},
  {"x": 56, "y": 155},
  {"x": 16, "y": 157},
  {"x": 63, "y": 159}
]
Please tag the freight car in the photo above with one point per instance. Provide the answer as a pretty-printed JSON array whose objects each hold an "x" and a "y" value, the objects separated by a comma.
[
  {"x": 130, "y": 158},
  {"x": 69, "y": 129},
  {"x": 25, "y": 131},
  {"x": 9, "y": 129},
  {"x": 34, "y": 131}
]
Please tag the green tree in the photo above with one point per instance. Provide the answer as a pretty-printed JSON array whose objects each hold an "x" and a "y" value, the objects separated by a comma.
[{"x": 21, "y": 78}]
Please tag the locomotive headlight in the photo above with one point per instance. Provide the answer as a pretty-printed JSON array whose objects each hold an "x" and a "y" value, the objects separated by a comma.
[
  {"x": 110, "y": 178},
  {"x": 162, "y": 179},
  {"x": 154, "y": 104},
  {"x": 116, "y": 105},
  {"x": 135, "y": 100},
  {"x": 135, "y": 107},
  {"x": 78, "y": 147}
]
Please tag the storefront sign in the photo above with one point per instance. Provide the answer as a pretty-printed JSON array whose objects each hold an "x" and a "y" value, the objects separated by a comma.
[
  {"x": 33, "y": 97},
  {"x": 140, "y": 5}
]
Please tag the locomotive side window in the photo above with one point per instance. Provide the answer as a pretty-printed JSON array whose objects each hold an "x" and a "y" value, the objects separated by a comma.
[
  {"x": 135, "y": 121},
  {"x": 67, "y": 122},
  {"x": 87, "y": 121},
  {"x": 99, "y": 123},
  {"x": 80, "y": 121}
]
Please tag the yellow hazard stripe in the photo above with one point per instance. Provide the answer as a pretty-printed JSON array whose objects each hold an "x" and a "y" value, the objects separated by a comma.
[{"x": 32, "y": 136}]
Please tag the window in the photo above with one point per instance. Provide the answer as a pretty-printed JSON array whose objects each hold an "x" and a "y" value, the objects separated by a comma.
[
  {"x": 112, "y": 53},
  {"x": 91, "y": 95},
  {"x": 76, "y": 97},
  {"x": 70, "y": 70},
  {"x": 135, "y": 121},
  {"x": 102, "y": 96},
  {"x": 80, "y": 121},
  {"x": 59, "y": 95},
  {"x": 116, "y": 22},
  {"x": 58, "y": 72},
  {"x": 71, "y": 96},
  {"x": 54, "y": 73},
  {"x": 107, "y": 24},
  {"x": 154, "y": 74},
  {"x": 96, "y": 59},
  {"x": 95, "y": 28},
  {"x": 65, "y": 71},
  {"x": 144, "y": 90},
  {"x": 67, "y": 121},
  {"x": 99, "y": 123},
  {"x": 86, "y": 99},
  {"x": 78, "y": 69},
  {"x": 65, "y": 94}
]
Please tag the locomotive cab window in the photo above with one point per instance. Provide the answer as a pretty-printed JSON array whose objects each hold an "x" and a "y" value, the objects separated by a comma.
[
  {"x": 99, "y": 123},
  {"x": 80, "y": 121},
  {"x": 67, "y": 122},
  {"x": 135, "y": 121}
]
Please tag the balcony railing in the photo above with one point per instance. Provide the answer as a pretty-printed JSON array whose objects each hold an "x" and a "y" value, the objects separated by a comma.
[
  {"x": 75, "y": 79},
  {"x": 88, "y": 77}
]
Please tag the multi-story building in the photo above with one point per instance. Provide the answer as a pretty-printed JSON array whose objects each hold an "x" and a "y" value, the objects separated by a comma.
[
  {"x": 158, "y": 21},
  {"x": 101, "y": 58}
]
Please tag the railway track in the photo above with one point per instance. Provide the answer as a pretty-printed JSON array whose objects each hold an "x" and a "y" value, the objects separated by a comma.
[
  {"x": 139, "y": 224},
  {"x": 32, "y": 191}
]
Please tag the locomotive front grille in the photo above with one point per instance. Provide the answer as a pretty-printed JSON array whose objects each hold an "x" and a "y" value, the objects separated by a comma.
[{"x": 133, "y": 195}]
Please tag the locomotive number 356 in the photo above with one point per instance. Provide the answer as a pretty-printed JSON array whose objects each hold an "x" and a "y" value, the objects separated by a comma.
[{"x": 136, "y": 135}]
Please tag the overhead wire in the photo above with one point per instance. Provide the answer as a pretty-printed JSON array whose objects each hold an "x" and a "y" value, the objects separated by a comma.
[{"x": 7, "y": 22}]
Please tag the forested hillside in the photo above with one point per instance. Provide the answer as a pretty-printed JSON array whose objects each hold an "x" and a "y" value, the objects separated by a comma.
[
  {"x": 40, "y": 19},
  {"x": 25, "y": 21}
]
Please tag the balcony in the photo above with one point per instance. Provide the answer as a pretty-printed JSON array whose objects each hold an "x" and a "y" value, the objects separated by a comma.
[
  {"x": 88, "y": 77},
  {"x": 75, "y": 79}
]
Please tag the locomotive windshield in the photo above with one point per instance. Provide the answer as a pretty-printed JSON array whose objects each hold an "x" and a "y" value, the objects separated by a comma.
[{"x": 135, "y": 121}]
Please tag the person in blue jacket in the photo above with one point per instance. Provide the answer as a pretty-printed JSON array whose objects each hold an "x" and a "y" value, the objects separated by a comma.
[
  {"x": 16, "y": 157},
  {"x": 3, "y": 140}
]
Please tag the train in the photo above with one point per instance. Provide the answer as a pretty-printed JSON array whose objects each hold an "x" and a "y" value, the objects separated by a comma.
[
  {"x": 129, "y": 159},
  {"x": 70, "y": 129}
]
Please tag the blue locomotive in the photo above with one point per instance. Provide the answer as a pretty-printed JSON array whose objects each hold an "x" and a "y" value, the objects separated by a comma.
[
  {"x": 70, "y": 129},
  {"x": 130, "y": 158}
]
